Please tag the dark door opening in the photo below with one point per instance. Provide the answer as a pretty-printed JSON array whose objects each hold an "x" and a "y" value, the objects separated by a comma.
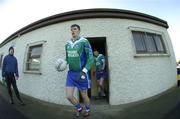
[{"x": 98, "y": 43}]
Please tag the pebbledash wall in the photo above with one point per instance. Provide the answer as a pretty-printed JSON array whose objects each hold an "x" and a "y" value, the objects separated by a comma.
[{"x": 132, "y": 76}]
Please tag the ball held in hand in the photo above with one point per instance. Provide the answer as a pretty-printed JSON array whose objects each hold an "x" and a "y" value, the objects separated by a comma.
[{"x": 60, "y": 64}]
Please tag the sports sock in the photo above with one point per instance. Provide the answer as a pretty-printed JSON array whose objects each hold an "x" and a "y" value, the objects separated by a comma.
[
  {"x": 87, "y": 108},
  {"x": 78, "y": 106}
]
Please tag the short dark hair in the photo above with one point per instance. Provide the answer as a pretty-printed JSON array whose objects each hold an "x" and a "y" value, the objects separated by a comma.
[
  {"x": 96, "y": 49},
  {"x": 76, "y": 25},
  {"x": 11, "y": 48}
]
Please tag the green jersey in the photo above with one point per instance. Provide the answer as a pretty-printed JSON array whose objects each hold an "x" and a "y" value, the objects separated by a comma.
[
  {"x": 79, "y": 55},
  {"x": 99, "y": 60}
]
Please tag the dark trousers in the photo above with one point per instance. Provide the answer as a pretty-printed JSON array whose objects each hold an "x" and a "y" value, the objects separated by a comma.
[{"x": 11, "y": 81}]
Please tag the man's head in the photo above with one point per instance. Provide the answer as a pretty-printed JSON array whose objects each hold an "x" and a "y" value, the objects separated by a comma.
[
  {"x": 11, "y": 50},
  {"x": 75, "y": 30},
  {"x": 96, "y": 53}
]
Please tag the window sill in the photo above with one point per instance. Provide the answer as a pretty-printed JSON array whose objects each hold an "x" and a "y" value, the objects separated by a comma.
[
  {"x": 33, "y": 72},
  {"x": 151, "y": 55}
]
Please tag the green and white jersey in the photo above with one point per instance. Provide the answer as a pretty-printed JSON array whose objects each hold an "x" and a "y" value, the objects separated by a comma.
[
  {"x": 99, "y": 62},
  {"x": 79, "y": 55}
]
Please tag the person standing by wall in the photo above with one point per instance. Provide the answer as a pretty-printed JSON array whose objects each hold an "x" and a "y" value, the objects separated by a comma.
[
  {"x": 10, "y": 74},
  {"x": 79, "y": 56}
]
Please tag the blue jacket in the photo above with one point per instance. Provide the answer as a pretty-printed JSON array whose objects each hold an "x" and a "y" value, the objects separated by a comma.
[{"x": 10, "y": 65}]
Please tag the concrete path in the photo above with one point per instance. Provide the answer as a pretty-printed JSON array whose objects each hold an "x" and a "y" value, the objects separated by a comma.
[{"x": 163, "y": 106}]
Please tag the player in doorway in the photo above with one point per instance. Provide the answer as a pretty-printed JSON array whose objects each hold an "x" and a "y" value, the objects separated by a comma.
[{"x": 100, "y": 72}]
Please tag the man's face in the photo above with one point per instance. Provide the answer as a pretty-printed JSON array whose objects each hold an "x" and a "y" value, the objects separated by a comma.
[
  {"x": 75, "y": 32},
  {"x": 11, "y": 51},
  {"x": 96, "y": 53}
]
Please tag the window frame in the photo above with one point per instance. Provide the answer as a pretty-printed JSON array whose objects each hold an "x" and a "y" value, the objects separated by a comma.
[
  {"x": 30, "y": 45},
  {"x": 145, "y": 30}
]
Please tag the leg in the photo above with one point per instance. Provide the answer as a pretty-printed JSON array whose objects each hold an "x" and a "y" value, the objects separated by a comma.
[
  {"x": 101, "y": 84},
  {"x": 85, "y": 97},
  {"x": 86, "y": 100},
  {"x": 73, "y": 100},
  {"x": 70, "y": 86},
  {"x": 8, "y": 83},
  {"x": 69, "y": 95},
  {"x": 16, "y": 89},
  {"x": 98, "y": 88}
]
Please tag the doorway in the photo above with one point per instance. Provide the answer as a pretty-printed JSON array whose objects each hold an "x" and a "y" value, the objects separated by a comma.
[{"x": 98, "y": 43}]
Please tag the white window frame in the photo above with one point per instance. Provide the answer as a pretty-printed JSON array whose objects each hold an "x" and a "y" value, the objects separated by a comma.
[{"x": 26, "y": 58}]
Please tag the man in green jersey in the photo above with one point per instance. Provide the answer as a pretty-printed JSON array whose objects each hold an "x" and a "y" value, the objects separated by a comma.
[
  {"x": 100, "y": 72},
  {"x": 79, "y": 56}
]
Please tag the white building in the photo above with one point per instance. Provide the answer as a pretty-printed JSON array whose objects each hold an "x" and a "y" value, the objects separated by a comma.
[{"x": 139, "y": 52}]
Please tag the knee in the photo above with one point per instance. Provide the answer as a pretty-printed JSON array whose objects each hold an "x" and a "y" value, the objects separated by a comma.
[
  {"x": 84, "y": 96},
  {"x": 100, "y": 84},
  {"x": 69, "y": 97},
  {"x": 9, "y": 88}
]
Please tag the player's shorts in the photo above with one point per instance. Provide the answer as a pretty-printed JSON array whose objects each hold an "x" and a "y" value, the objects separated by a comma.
[
  {"x": 73, "y": 80},
  {"x": 100, "y": 74}
]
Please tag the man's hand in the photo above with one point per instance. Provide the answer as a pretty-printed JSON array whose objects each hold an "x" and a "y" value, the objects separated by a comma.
[
  {"x": 16, "y": 77},
  {"x": 3, "y": 79},
  {"x": 82, "y": 75},
  {"x": 102, "y": 70}
]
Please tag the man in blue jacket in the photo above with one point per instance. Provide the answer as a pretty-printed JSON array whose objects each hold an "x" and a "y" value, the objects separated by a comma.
[{"x": 10, "y": 73}]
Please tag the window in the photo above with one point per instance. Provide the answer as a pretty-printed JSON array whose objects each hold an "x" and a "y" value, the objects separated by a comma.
[
  {"x": 148, "y": 42},
  {"x": 34, "y": 58},
  {"x": 1, "y": 60}
]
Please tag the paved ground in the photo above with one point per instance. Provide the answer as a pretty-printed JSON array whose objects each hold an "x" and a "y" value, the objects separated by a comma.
[
  {"x": 164, "y": 106},
  {"x": 9, "y": 112}
]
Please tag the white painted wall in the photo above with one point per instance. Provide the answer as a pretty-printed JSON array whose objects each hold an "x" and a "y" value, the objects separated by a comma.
[{"x": 131, "y": 78}]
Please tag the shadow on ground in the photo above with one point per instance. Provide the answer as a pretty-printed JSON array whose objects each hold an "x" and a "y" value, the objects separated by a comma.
[{"x": 163, "y": 106}]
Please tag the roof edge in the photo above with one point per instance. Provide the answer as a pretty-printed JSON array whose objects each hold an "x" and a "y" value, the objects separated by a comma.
[{"x": 87, "y": 13}]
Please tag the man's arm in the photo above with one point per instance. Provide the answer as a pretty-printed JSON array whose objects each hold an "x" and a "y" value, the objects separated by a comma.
[
  {"x": 103, "y": 61},
  {"x": 66, "y": 53},
  {"x": 16, "y": 69},
  {"x": 89, "y": 56},
  {"x": 3, "y": 67},
  {"x": 104, "y": 64}
]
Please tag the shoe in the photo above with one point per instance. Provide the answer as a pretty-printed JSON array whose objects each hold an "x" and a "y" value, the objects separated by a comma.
[
  {"x": 21, "y": 103},
  {"x": 103, "y": 94},
  {"x": 78, "y": 112},
  {"x": 99, "y": 94},
  {"x": 86, "y": 114},
  {"x": 97, "y": 97},
  {"x": 104, "y": 97},
  {"x": 11, "y": 102}
]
